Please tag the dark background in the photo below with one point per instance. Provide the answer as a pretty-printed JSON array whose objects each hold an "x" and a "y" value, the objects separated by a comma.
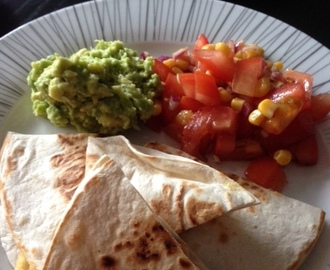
[{"x": 311, "y": 17}]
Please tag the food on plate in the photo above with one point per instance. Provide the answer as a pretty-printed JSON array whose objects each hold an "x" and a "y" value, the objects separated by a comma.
[
  {"x": 123, "y": 233},
  {"x": 183, "y": 192},
  {"x": 228, "y": 100},
  {"x": 278, "y": 233},
  {"x": 40, "y": 173},
  {"x": 34, "y": 169},
  {"x": 106, "y": 89}
]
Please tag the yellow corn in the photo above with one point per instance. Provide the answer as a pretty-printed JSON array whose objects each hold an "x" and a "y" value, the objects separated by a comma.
[
  {"x": 256, "y": 118},
  {"x": 209, "y": 46},
  {"x": 223, "y": 47},
  {"x": 267, "y": 108},
  {"x": 263, "y": 87},
  {"x": 176, "y": 70},
  {"x": 282, "y": 157},
  {"x": 169, "y": 62},
  {"x": 225, "y": 96},
  {"x": 249, "y": 53},
  {"x": 183, "y": 117},
  {"x": 157, "y": 108},
  {"x": 182, "y": 64},
  {"x": 278, "y": 65},
  {"x": 237, "y": 104}
]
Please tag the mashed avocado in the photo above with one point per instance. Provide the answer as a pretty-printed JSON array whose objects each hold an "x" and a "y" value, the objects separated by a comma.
[{"x": 106, "y": 89}]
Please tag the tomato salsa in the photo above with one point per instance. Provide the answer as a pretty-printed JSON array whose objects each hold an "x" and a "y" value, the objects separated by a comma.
[{"x": 228, "y": 100}]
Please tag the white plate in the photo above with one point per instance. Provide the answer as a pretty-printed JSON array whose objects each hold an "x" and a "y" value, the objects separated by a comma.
[{"x": 160, "y": 27}]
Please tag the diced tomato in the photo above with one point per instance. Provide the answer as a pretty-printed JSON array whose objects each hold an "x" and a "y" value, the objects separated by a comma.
[
  {"x": 171, "y": 95},
  {"x": 188, "y": 103},
  {"x": 320, "y": 106},
  {"x": 208, "y": 121},
  {"x": 291, "y": 99},
  {"x": 218, "y": 63},
  {"x": 161, "y": 69},
  {"x": 224, "y": 143},
  {"x": 247, "y": 73},
  {"x": 301, "y": 127},
  {"x": 245, "y": 149},
  {"x": 306, "y": 80},
  {"x": 200, "y": 42},
  {"x": 187, "y": 81},
  {"x": 206, "y": 90},
  {"x": 266, "y": 172},
  {"x": 175, "y": 128},
  {"x": 306, "y": 151},
  {"x": 172, "y": 87}
]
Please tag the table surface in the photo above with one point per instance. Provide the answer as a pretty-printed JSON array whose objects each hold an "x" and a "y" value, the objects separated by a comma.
[{"x": 310, "y": 17}]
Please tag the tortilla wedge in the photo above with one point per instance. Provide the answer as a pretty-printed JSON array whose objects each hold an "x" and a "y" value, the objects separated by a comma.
[
  {"x": 108, "y": 225},
  {"x": 40, "y": 167},
  {"x": 276, "y": 234},
  {"x": 183, "y": 192}
]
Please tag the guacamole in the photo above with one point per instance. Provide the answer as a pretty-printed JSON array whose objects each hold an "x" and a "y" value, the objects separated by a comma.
[{"x": 107, "y": 89}]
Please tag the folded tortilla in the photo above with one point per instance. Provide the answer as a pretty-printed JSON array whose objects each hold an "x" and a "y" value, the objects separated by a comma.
[
  {"x": 38, "y": 175},
  {"x": 183, "y": 192},
  {"x": 108, "y": 225},
  {"x": 276, "y": 234}
]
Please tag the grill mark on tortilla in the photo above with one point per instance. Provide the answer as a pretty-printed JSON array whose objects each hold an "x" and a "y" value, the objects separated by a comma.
[
  {"x": 91, "y": 160},
  {"x": 142, "y": 248},
  {"x": 70, "y": 163},
  {"x": 201, "y": 211},
  {"x": 184, "y": 263},
  {"x": 167, "y": 206},
  {"x": 257, "y": 191}
]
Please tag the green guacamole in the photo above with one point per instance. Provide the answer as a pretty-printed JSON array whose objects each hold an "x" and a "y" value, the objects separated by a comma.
[{"x": 107, "y": 89}]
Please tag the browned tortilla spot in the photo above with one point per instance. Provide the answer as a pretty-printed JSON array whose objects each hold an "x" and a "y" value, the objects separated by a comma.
[
  {"x": 68, "y": 140},
  {"x": 163, "y": 207},
  {"x": 201, "y": 211},
  {"x": 71, "y": 170},
  {"x": 254, "y": 189},
  {"x": 185, "y": 264},
  {"x": 91, "y": 160},
  {"x": 107, "y": 262}
]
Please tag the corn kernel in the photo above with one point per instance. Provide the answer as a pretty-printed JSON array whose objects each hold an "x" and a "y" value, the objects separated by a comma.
[
  {"x": 225, "y": 96},
  {"x": 182, "y": 64},
  {"x": 263, "y": 87},
  {"x": 169, "y": 62},
  {"x": 176, "y": 70},
  {"x": 267, "y": 108},
  {"x": 282, "y": 157},
  {"x": 209, "y": 46},
  {"x": 278, "y": 66},
  {"x": 238, "y": 55},
  {"x": 223, "y": 47},
  {"x": 183, "y": 117},
  {"x": 249, "y": 53},
  {"x": 256, "y": 118},
  {"x": 157, "y": 108},
  {"x": 237, "y": 104}
]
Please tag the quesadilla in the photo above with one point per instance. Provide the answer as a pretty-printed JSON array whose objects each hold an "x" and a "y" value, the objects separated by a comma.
[
  {"x": 108, "y": 225},
  {"x": 276, "y": 234},
  {"x": 183, "y": 192},
  {"x": 38, "y": 175}
]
